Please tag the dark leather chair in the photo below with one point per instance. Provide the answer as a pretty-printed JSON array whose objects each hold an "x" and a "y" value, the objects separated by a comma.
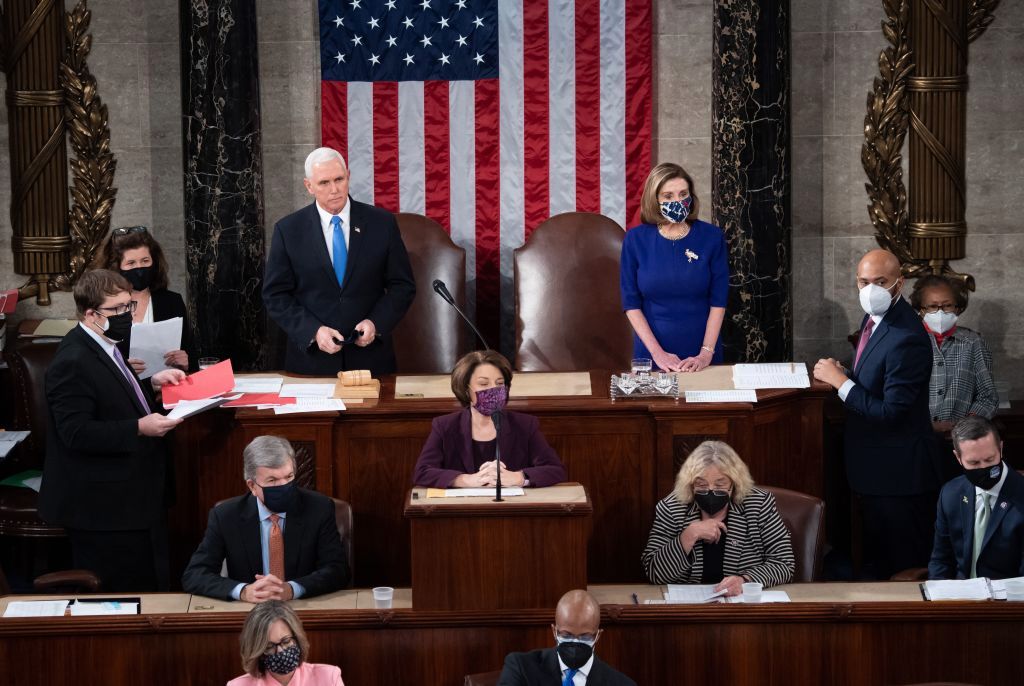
[
  {"x": 568, "y": 306},
  {"x": 431, "y": 336},
  {"x": 804, "y": 516},
  {"x": 342, "y": 520},
  {"x": 483, "y": 679},
  {"x": 19, "y": 515}
]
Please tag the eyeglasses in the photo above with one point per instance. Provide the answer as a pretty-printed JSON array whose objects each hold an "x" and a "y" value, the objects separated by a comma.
[
  {"x": 121, "y": 309},
  {"x": 585, "y": 638},
  {"x": 716, "y": 491},
  {"x": 284, "y": 644},
  {"x": 125, "y": 230},
  {"x": 942, "y": 308}
]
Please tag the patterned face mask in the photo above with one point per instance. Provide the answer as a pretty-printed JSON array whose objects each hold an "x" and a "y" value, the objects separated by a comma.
[
  {"x": 283, "y": 662},
  {"x": 678, "y": 210},
  {"x": 491, "y": 400}
]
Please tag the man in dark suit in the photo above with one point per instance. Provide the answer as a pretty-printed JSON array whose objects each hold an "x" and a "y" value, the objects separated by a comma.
[
  {"x": 890, "y": 450},
  {"x": 979, "y": 526},
  {"x": 337, "y": 267},
  {"x": 572, "y": 662},
  {"x": 107, "y": 477},
  {"x": 280, "y": 541}
]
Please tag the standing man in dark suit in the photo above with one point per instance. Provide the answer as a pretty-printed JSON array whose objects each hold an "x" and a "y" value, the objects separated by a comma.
[
  {"x": 280, "y": 541},
  {"x": 890, "y": 451},
  {"x": 337, "y": 267},
  {"x": 107, "y": 478},
  {"x": 572, "y": 662},
  {"x": 979, "y": 526}
]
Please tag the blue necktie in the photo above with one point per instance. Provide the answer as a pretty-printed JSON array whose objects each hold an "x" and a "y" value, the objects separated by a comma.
[
  {"x": 340, "y": 251},
  {"x": 569, "y": 674}
]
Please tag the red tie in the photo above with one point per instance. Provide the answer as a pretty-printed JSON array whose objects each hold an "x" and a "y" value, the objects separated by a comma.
[
  {"x": 869, "y": 326},
  {"x": 276, "y": 548}
]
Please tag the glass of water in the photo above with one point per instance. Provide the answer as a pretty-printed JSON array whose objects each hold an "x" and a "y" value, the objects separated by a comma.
[
  {"x": 663, "y": 382},
  {"x": 641, "y": 366},
  {"x": 627, "y": 383}
]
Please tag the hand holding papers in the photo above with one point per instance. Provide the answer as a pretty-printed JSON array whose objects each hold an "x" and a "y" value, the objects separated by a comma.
[
  {"x": 204, "y": 384},
  {"x": 150, "y": 342}
]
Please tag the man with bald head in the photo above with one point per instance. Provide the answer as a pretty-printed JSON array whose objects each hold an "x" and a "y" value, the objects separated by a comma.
[
  {"x": 892, "y": 461},
  {"x": 577, "y": 628}
]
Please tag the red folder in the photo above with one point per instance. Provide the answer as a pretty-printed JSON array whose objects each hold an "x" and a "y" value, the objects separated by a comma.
[
  {"x": 253, "y": 399},
  {"x": 8, "y": 300},
  {"x": 206, "y": 383}
]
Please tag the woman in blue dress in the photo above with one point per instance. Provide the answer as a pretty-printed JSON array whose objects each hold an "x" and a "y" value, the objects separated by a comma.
[{"x": 674, "y": 276}]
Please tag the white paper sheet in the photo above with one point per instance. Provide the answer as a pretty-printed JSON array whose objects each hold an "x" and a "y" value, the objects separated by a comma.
[
  {"x": 306, "y": 390},
  {"x": 692, "y": 593},
  {"x": 766, "y": 597},
  {"x": 480, "y": 492},
  {"x": 747, "y": 396},
  {"x": 79, "y": 609},
  {"x": 305, "y": 404},
  {"x": 257, "y": 384},
  {"x": 13, "y": 436},
  {"x": 958, "y": 589},
  {"x": 187, "y": 408},
  {"x": 150, "y": 342},
  {"x": 36, "y": 608},
  {"x": 35, "y": 483}
]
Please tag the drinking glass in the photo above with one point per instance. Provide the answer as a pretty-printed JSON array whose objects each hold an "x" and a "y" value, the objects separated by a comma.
[
  {"x": 627, "y": 383},
  {"x": 663, "y": 382}
]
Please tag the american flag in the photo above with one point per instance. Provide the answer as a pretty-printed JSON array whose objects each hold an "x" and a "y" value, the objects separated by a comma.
[{"x": 489, "y": 117}]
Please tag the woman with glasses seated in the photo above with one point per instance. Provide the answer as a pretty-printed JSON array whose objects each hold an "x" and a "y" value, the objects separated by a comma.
[
  {"x": 716, "y": 527},
  {"x": 135, "y": 254},
  {"x": 275, "y": 650},
  {"x": 961, "y": 382}
]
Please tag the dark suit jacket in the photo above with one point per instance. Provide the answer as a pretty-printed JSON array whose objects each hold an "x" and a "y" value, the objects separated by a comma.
[
  {"x": 1002, "y": 552},
  {"x": 301, "y": 292},
  {"x": 313, "y": 554},
  {"x": 448, "y": 451},
  {"x": 540, "y": 668},
  {"x": 99, "y": 475},
  {"x": 890, "y": 446}
]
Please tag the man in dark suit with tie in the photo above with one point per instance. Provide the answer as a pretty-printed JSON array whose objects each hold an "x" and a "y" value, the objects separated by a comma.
[
  {"x": 107, "y": 478},
  {"x": 979, "y": 526},
  {"x": 572, "y": 662},
  {"x": 279, "y": 541},
  {"x": 890, "y": 450},
  {"x": 337, "y": 267}
]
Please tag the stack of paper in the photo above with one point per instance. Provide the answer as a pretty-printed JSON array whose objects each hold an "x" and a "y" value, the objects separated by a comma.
[
  {"x": 747, "y": 396},
  {"x": 258, "y": 384},
  {"x": 692, "y": 593},
  {"x": 958, "y": 589},
  {"x": 471, "y": 492},
  {"x": 772, "y": 375},
  {"x": 36, "y": 608},
  {"x": 310, "y": 404},
  {"x": 9, "y": 439},
  {"x": 150, "y": 342},
  {"x": 103, "y": 607}
]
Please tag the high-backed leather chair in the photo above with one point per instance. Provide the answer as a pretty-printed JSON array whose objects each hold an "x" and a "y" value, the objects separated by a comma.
[
  {"x": 342, "y": 520},
  {"x": 483, "y": 679},
  {"x": 804, "y": 516},
  {"x": 568, "y": 307},
  {"x": 431, "y": 336},
  {"x": 19, "y": 515}
]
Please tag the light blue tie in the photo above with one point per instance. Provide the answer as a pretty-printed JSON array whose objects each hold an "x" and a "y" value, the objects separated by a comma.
[
  {"x": 340, "y": 251},
  {"x": 569, "y": 674}
]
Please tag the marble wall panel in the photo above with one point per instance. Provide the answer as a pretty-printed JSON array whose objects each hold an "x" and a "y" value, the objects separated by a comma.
[
  {"x": 854, "y": 69},
  {"x": 811, "y": 61},
  {"x": 290, "y": 98},
  {"x": 807, "y": 186},
  {"x": 683, "y": 92},
  {"x": 994, "y": 188},
  {"x": 692, "y": 17},
  {"x": 844, "y": 201},
  {"x": 994, "y": 97},
  {"x": 812, "y": 285},
  {"x": 694, "y": 154},
  {"x": 283, "y": 189}
]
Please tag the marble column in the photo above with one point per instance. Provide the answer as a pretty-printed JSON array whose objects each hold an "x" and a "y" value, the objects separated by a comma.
[
  {"x": 224, "y": 240},
  {"x": 751, "y": 174}
]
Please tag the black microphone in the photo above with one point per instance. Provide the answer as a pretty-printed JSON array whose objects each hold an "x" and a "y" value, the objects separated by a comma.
[
  {"x": 496, "y": 418},
  {"x": 442, "y": 291}
]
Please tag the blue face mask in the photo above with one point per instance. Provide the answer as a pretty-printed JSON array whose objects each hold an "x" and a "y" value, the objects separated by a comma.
[
  {"x": 280, "y": 498},
  {"x": 677, "y": 211}
]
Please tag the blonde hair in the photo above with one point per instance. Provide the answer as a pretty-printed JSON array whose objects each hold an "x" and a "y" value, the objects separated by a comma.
[
  {"x": 650, "y": 206},
  {"x": 256, "y": 633},
  {"x": 713, "y": 454}
]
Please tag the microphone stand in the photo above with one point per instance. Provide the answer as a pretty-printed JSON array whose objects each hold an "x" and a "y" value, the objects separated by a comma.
[
  {"x": 496, "y": 418},
  {"x": 442, "y": 290}
]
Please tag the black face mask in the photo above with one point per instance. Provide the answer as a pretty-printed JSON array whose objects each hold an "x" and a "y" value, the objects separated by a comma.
[
  {"x": 575, "y": 653},
  {"x": 140, "y": 277},
  {"x": 284, "y": 662},
  {"x": 985, "y": 477},
  {"x": 280, "y": 498},
  {"x": 119, "y": 327},
  {"x": 711, "y": 502}
]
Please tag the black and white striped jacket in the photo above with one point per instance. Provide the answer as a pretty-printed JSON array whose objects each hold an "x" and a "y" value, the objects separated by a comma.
[{"x": 757, "y": 544}]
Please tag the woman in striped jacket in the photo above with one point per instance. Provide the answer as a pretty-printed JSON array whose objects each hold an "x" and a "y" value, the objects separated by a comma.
[{"x": 716, "y": 527}]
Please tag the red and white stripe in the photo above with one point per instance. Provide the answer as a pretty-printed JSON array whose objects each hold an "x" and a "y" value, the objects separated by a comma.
[{"x": 566, "y": 127}]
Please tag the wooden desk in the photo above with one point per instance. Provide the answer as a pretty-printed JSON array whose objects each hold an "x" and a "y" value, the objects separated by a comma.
[
  {"x": 843, "y": 635},
  {"x": 470, "y": 553},
  {"x": 626, "y": 453}
]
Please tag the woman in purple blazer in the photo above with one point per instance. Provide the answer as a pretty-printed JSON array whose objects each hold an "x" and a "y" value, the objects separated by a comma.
[{"x": 460, "y": 452}]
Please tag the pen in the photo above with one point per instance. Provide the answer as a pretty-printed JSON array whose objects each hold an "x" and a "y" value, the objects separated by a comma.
[{"x": 636, "y": 601}]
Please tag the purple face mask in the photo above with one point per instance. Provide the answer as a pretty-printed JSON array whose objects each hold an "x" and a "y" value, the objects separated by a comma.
[{"x": 491, "y": 400}]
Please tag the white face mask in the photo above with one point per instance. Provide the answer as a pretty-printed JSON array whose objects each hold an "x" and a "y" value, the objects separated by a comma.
[
  {"x": 876, "y": 300},
  {"x": 939, "y": 321}
]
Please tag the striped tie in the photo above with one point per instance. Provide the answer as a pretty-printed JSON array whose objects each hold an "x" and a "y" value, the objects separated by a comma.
[{"x": 981, "y": 518}]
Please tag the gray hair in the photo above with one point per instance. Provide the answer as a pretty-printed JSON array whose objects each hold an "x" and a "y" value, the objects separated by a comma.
[
  {"x": 321, "y": 155},
  {"x": 271, "y": 452},
  {"x": 973, "y": 428}
]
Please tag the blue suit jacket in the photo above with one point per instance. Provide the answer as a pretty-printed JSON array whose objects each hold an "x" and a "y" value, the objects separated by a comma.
[
  {"x": 1002, "y": 552},
  {"x": 890, "y": 445},
  {"x": 301, "y": 291}
]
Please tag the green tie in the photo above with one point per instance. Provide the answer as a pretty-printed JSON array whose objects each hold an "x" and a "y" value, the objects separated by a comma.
[{"x": 980, "y": 524}]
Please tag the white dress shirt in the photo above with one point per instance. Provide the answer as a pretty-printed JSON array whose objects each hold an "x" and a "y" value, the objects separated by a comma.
[
  {"x": 992, "y": 493},
  {"x": 325, "y": 225},
  {"x": 107, "y": 346},
  {"x": 580, "y": 678},
  {"x": 844, "y": 390}
]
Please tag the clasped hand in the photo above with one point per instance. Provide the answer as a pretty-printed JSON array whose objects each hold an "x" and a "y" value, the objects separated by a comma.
[
  {"x": 671, "y": 362},
  {"x": 831, "y": 372},
  {"x": 487, "y": 476},
  {"x": 266, "y": 587}
]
